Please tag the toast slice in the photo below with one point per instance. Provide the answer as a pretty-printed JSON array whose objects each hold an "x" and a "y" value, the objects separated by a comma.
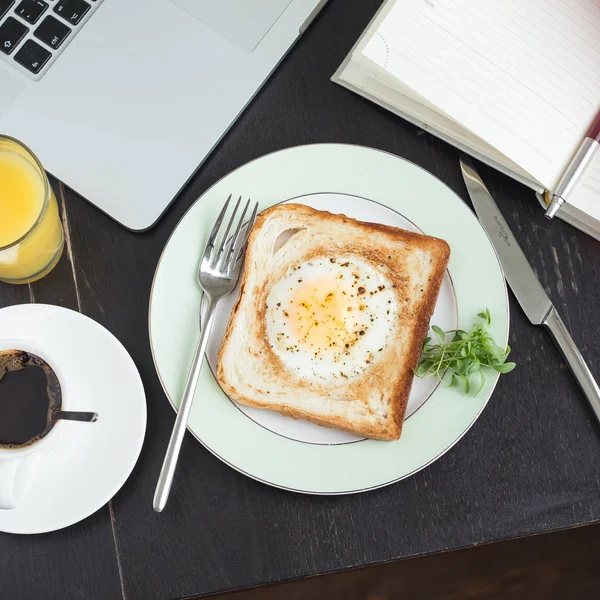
[{"x": 394, "y": 275}]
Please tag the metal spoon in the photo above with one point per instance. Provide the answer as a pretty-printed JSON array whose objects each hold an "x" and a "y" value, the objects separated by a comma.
[{"x": 72, "y": 415}]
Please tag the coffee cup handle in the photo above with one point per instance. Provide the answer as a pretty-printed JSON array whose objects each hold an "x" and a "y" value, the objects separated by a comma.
[{"x": 15, "y": 476}]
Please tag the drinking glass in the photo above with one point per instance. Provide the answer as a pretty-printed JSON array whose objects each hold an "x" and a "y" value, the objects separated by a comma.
[{"x": 31, "y": 233}]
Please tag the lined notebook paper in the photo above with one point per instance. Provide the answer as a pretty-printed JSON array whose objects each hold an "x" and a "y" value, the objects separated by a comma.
[
  {"x": 500, "y": 68},
  {"x": 515, "y": 83}
]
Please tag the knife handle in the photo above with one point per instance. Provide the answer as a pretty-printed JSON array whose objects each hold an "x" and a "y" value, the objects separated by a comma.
[{"x": 569, "y": 350}]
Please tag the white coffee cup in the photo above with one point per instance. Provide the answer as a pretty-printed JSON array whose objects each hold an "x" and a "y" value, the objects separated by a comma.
[{"x": 18, "y": 465}]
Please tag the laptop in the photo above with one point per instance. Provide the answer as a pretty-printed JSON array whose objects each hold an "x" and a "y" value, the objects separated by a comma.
[{"x": 122, "y": 100}]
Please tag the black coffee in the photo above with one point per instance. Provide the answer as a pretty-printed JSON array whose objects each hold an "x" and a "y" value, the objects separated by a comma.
[{"x": 29, "y": 394}]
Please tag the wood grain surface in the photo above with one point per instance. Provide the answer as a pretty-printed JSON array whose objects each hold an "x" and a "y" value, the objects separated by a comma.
[
  {"x": 530, "y": 464},
  {"x": 562, "y": 564},
  {"x": 557, "y": 565}
]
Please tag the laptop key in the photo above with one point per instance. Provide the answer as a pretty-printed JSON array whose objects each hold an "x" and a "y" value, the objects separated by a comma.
[
  {"x": 31, "y": 10},
  {"x": 72, "y": 11},
  {"x": 52, "y": 32},
  {"x": 4, "y": 6},
  {"x": 32, "y": 56},
  {"x": 11, "y": 33}
]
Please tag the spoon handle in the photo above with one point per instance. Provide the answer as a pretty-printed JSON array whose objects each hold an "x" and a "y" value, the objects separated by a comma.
[{"x": 72, "y": 415}]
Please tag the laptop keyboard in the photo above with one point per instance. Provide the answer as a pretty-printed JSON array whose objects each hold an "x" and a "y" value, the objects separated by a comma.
[{"x": 34, "y": 32}]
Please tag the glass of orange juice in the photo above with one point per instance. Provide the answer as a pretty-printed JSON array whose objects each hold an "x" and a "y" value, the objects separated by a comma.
[{"x": 31, "y": 234}]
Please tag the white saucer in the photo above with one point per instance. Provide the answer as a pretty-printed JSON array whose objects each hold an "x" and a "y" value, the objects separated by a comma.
[{"x": 78, "y": 477}]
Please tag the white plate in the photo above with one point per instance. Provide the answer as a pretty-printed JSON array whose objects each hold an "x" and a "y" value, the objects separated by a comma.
[
  {"x": 89, "y": 467},
  {"x": 364, "y": 184}
]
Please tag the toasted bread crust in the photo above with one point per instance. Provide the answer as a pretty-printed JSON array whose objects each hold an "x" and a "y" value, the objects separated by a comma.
[{"x": 383, "y": 375}]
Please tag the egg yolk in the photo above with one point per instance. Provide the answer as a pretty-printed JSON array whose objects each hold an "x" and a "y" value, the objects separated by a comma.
[{"x": 322, "y": 314}]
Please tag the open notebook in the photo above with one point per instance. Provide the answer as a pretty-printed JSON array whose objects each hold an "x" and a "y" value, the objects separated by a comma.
[{"x": 515, "y": 83}]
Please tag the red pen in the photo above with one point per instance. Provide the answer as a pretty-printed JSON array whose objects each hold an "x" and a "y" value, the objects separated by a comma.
[{"x": 576, "y": 168}]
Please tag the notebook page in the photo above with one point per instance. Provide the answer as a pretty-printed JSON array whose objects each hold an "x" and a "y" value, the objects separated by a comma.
[
  {"x": 377, "y": 86},
  {"x": 586, "y": 195},
  {"x": 524, "y": 75},
  {"x": 364, "y": 77}
]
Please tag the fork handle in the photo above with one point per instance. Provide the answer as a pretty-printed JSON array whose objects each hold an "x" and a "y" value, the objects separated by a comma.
[{"x": 165, "y": 479}]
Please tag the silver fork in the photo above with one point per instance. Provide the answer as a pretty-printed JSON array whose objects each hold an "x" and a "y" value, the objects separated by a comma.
[{"x": 218, "y": 275}]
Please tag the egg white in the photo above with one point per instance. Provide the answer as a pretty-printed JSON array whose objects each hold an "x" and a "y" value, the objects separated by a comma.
[{"x": 329, "y": 318}]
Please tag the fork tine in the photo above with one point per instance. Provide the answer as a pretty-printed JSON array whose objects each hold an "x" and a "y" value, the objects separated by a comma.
[
  {"x": 215, "y": 230},
  {"x": 225, "y": 239},
  {"x": 239, "y": 248},
  {"x": 235, "y": 237}
]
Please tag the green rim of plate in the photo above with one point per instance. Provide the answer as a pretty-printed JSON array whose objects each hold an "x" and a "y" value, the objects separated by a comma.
[{"x": 232, "y": 436}]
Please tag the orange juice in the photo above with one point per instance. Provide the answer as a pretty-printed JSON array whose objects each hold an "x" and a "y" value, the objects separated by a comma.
[{"x": 31, "y": 236}]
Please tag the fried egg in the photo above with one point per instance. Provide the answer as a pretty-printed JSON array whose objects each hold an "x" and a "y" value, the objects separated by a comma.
[{"x": 329, "y": 318}]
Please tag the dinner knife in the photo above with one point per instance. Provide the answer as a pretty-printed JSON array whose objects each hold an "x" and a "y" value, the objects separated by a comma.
[{"x": 525, "y": 285}]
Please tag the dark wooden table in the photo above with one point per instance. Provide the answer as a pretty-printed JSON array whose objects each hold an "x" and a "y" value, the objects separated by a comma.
[{"x": 530, "y": 464}]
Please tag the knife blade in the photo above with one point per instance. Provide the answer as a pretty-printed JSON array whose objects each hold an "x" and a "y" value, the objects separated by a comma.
[
  {"x": 524, "y": 283},
  {"x": 517, "y": 270}
]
